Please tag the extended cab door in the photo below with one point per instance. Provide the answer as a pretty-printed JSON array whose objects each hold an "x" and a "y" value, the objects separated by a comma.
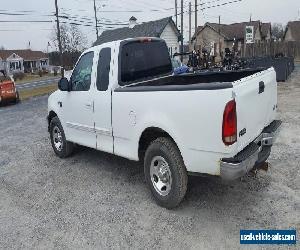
[
  {"x": 78, "y": 106},
  {"x": 103, "y": 102}
]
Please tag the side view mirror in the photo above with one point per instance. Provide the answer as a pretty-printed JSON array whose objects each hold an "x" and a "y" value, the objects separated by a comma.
[{"x": 64, "y": 84}]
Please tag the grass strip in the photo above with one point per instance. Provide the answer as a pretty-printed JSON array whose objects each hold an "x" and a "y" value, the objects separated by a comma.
[{"x": 26, "y": 94}]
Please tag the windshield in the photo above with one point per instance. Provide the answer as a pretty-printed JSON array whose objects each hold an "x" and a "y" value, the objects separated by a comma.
[{"x": 143, "y": 60}]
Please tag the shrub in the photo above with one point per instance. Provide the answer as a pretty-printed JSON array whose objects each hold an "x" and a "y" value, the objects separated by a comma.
[{"x": 18, "y": 76}]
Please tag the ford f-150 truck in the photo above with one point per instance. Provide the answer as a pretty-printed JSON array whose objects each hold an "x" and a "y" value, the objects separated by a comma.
[{"x": 122, "y": 98}]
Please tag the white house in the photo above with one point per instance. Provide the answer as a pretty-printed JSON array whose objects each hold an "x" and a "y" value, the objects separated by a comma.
[
  {"x": 12, "y": 61},
  {"x": 164, "y": 28}
]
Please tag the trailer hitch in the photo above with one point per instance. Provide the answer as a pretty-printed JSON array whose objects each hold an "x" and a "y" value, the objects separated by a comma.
[{"x": 263, "y": 166}]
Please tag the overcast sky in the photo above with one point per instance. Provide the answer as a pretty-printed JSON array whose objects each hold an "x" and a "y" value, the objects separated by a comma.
[{"x": 18, "y": 35}]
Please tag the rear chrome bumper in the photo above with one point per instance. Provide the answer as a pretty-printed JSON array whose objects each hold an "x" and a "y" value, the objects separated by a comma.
[{"x": 252, "y": 156}]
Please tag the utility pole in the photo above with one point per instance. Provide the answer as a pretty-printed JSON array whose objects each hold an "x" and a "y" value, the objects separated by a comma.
[
  {"x": 176, "y": 13},
  {"x": 96, "y": 19},
  {"x": 250, "y": 18},
  {"x": 190, "y": 22},
  {"x": 181, "y": 49},
  {"x": 220, "y": 50},
  {"x": 59, "y": 40},
  {"x": 196, "y": 15}
]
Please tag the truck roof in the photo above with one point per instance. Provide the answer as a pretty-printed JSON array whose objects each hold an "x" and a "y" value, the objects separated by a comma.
[{"x": 118, "y": 42}]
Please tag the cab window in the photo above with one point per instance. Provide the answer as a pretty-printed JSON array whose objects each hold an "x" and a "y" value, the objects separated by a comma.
[
  {"x": 81, "y": 77},
  {"x": 103, "y": 69},
  {"x": 142, "y": 60}
]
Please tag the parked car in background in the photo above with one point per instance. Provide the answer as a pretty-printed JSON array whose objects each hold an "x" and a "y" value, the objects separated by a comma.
[
  {"x": 8, "y": 90},
  {"x": 179, "y": 68}
]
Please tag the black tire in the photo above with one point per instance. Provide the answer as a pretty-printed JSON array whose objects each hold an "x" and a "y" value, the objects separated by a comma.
[
  {"x": 167, "y": 149},
  {"x": 66, "y": 148},
  {"x": 17, "y": 97}
]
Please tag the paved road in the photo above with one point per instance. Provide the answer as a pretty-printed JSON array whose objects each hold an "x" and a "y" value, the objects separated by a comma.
[
  {"x": 94, "y": 200},
  {"x": 37, "y": 84}
]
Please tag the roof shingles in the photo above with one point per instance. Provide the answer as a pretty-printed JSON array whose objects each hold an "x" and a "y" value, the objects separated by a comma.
[
  {"x": 149, "y": 29},
  {"x": 265, "y": 29},
  {"x": 235, "y": 30},
  {"x": 231, "y": 31},
  {"x": 294, "y": 29},
  {"x": 27, "y": 55}
]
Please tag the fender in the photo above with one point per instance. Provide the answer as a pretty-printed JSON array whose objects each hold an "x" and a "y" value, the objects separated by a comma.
[{"x": 160, "y": 124}]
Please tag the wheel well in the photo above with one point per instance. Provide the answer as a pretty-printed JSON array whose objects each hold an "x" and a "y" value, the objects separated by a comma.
[
  {"x": 149, "y": 135},
  {"x": 51, "y": 115}
]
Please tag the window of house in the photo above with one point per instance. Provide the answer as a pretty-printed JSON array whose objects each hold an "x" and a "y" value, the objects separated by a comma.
[
  {"x": 82, "y": 74},
  {"x": 103, "y": 69},
  {"x": 44, "y": 62},
  {"x": 15, "y": 65}
]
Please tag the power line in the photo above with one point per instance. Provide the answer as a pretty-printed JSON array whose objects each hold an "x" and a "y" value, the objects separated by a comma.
[
  {"x": 26, "y": 21},
  {"x": 217, "y": 5}
]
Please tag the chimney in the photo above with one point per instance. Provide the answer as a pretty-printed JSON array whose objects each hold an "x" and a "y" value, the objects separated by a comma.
[{"x": 132, "y": 22}]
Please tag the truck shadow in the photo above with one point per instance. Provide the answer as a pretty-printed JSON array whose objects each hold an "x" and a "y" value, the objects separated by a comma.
[{"x": 203, "y": 192}]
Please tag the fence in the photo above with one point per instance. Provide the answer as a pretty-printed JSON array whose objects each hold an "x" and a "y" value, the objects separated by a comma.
[
  {"x": 289, "y": 49},
  {"x": 283, "y": 66}
]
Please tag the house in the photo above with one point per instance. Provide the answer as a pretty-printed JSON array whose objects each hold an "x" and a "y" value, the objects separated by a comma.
[
  {"x": 266, "y": 31},
  {"x": 22, "y": 60},
  {"x": 292, "y": 32},
  {"x": 164, "y": 28},
  {"x": 212, "y": 35}
]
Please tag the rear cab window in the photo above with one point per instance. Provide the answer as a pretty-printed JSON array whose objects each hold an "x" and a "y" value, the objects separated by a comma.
[{"x": 143, "y": 59}]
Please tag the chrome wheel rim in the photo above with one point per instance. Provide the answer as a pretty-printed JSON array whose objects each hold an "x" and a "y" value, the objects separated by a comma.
[
  {"x": 57, "y": 138},
  {"x": 161, "y": 176}
]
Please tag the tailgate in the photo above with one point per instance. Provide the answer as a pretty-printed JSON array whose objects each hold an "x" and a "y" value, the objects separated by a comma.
[{"x": 256, "y": 102}]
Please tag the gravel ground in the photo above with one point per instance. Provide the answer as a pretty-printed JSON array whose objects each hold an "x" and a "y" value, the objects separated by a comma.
[{"x": 96, "y": 200}]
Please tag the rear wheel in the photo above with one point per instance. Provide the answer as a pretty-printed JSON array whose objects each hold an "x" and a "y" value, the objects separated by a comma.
[
  {"x": 60, "y": 145},
  {"x": 165, "y": 173}
]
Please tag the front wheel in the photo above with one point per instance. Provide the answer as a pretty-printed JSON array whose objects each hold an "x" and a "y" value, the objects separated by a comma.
[
  {"x": 60, "y": 145},
  {"x": 17, "y": 100},
  {"x": 165, "y": 172}
]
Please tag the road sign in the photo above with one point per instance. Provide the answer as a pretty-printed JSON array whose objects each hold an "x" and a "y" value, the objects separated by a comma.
[{"x": 249, "y": 34}]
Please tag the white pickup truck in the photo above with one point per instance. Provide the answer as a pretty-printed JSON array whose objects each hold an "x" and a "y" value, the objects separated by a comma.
[{"x": 122, "y": 98}]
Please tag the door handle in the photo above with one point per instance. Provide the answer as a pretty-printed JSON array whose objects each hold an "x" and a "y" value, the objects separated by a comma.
[
  {"x": 261, "y": 87},
  {"x": 89, "y": 105}
]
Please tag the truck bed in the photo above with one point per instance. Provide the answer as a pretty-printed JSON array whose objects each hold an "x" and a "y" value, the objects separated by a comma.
[{"x": 199, "y": 81}]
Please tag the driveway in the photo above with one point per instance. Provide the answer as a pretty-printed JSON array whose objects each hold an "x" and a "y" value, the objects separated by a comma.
[{"x": 96, "y": 200}]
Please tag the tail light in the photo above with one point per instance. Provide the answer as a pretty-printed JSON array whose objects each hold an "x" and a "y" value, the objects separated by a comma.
[
  {"x": 229, "y": 130},
  {"x": 145, "y": 39}
]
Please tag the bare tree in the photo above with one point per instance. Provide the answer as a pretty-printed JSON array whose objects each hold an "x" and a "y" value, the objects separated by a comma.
[
  {"x": 72, "y": 38},
  {"x": 277, "y": 31},
  {"x": 2, "y": 47},
  {"x": 78, "y": 40}
]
